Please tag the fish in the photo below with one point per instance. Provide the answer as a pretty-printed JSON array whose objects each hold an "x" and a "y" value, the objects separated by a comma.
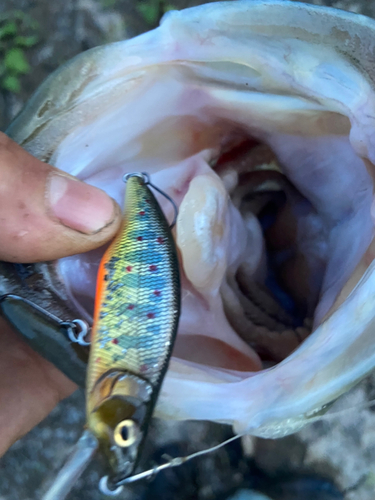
[{"x": 257, "y": 118}]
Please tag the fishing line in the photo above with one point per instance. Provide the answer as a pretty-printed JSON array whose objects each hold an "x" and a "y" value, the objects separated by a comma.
[
  {"x": 335, "y": 414},
  {"x": 175, "y": 462},
  {"x": 151, "y": 473}
]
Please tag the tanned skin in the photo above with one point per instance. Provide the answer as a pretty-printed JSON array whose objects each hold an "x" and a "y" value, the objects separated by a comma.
[{"x": 44, "y": 215}]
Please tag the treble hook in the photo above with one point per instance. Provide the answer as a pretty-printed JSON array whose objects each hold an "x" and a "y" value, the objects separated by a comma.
[{"x": 146, "y": 180}]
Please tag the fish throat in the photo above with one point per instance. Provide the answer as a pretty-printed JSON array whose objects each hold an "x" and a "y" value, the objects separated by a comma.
[{"x": 270, "y": 299}]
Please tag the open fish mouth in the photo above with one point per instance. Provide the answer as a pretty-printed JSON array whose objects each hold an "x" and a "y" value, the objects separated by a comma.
[{"x": 258, "y": 119}]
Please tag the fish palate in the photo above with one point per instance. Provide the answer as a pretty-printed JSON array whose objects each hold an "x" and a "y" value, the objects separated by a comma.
[{"x": 258, "y": 119}]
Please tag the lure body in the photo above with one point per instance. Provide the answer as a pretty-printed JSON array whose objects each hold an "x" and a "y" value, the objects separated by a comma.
[{"x": 135, "y": 322}]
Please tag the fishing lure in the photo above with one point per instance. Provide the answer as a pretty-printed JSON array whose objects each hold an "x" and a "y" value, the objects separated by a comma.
[
  {"x": 136, "y": 316},
  {"x": 135, "y": 323},
  {"x": 61, "y": 342}
]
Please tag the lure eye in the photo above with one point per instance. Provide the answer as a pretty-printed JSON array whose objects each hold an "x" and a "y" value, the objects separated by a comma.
[{"x": 126, "y": 433}]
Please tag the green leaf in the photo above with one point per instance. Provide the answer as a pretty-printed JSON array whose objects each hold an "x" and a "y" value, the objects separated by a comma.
[
  {"x": 8, "y": 29},
  {"x": 107, "y": 4},
  {"x": 169, "y": 7},
  {"x": 18, "y": 14},
  {"x": 149, "y": 11},
  {"x": 15, "y": 61},
  {"x": 11, "y": 83},
  {"x": 32, "y": 24},
  {"x": 5, "y": 16},
  {"x": 26, "y": 41}
]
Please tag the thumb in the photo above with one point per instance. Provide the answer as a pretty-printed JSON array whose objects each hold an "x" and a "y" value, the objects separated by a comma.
[{"x": 46, "y": 214}]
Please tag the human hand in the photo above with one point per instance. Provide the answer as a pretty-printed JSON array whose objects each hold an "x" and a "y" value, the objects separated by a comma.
[{"x": 44, "y": 215}]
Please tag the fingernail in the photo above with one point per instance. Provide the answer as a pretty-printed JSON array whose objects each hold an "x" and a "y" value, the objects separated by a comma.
[{"x": 78, "y": 205}]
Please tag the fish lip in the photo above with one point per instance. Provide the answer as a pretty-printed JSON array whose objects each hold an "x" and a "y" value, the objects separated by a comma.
[{"x": 363, "y": 22}]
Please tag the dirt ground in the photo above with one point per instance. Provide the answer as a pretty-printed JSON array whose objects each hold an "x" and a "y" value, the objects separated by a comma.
[{"x": 331, "y": 459}]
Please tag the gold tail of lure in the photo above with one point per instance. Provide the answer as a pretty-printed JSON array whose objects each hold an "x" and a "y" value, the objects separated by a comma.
[{"x": 136, "y": 316}]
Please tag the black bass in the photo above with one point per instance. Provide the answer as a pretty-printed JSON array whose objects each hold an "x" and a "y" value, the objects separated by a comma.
[{"x": 258, "y": 119}]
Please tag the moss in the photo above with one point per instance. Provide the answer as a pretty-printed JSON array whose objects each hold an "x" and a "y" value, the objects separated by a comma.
[
  {"x": 151, "y": 11},
  {"x": 108, "y": 4},
  {"x": 18, "y": 33}
]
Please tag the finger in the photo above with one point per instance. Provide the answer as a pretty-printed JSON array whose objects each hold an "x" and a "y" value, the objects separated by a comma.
[
  {"x": 46, "y": 214},
  {"x": 30, "y": 387}
]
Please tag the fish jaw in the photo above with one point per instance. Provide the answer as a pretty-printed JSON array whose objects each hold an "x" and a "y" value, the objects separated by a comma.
[
  {"x": 282, "y": 399},
  {"x": 169, "y": 102}
]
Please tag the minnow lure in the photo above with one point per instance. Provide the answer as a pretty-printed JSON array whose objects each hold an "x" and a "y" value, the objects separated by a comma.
[
  {"x": 61, "y": 342},
  {"x": 135, "y": 323}
]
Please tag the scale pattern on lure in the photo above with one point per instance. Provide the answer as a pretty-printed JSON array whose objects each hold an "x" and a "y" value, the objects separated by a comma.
[
  {"x": 136, "y": 315},
  {"x": 137, "y": 299}
]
